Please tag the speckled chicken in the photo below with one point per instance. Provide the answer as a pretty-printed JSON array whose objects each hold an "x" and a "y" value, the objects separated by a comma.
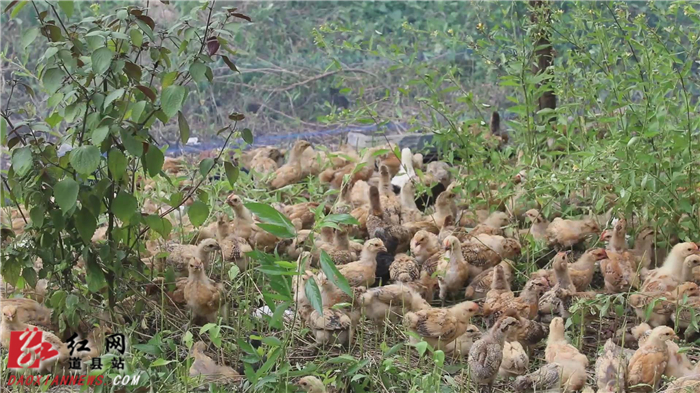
[
  {"x": 620, "y": 268},
  {"x": 291, "y": 172},
  {"x": 649, "y": 362},
  {"x": 545, "y": 378},
  {"x": 424, "y": 245},
  {"x": 404, "y": 269},
  {"x": 380, "y": 225},
  {"x": 557, "y": 300},
  {"x": 486, "y": 355},
  {"x": 565, "y": 234},
  {"x": 461, "y": 345},
  {"x": 485, "y": 251},
  {"x": 330, "y": 328},
  {"x": 440, "y": 326},
  {"x": 481, "y": 284},
  {"x": 453, "y": 271},
  {"x": 662, "y": 309},
  {"x": 444, "y": 206},
  {"x": 689, "y": 384},
  {"x": 180, "y": 255},
  {"x": 559, "y": 351},
  {"x": 611, "y": 369},
  {"x": 356, "y": 172},
  {"x": 498, "y": 302},
  {"x": 204, "y": 297},
  {"x": 391, "y": 301},
  {"x": 339, "y": 250},
  {"x": 207, "y": 370},
  {"x": 245, "y": 227}
]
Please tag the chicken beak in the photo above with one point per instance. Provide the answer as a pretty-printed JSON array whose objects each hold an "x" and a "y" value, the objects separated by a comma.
[
  {"x": 382, "y": 248},
  {"x": 675, "y": 337},
  {"x": 602, "y": 235}
]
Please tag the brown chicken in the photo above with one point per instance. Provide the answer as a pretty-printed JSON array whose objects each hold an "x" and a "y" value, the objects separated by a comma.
[
  {"x": 404, "y": 269},
  {"x": 11, "y": 322},
  {"x": 662, "y": 309},
  {"x": 389, "y": 201},
  {"x": 453, "y": 271},
  {"x": 689, "y": 384},
  {"x": 391, "y": 301},
  {"x": 481, "y": 284},
  {"x": 358, "y": 273},
  {"x": 440, "y": 326},
  {"x": 559, "y": 351},
  {"x": 620, "y": 268},
  {"x": 544, "y": 379},
  {"x": 581, "y": 271},
  {"x": 444, "y": 206},
  {"x": 208, "y": 370},
  {"x": 245, "y": 227},
  {"x": 30, "y": 311},
  {"x": 330, "y": 328},
  {"x": 462, "y": 344},
  {"x": 538, "y": 227},
  {"x": 492, "y": 225},
  {"x": 515, "y": 360},
  {"x": 649, "y": 362},
  {"x": 424, "y": 245},
  {"x": 644, "y": 248},
  {"x": 263, "y": 163},
  {"x": 450, "y": 229},
  {"x": 291, "y": 172},
  {"x": 304, "y": 212},
  {"x": 311, "y": 384},
  {"x": 565, "y": 234},
  {"x": 678, "y": 365},
  {"x": 557, "y": 300},
  {"x": 203, "y": 296},
  {"x": 356, "y": 172},
  {"x": 233, "y": 247},
  {"x": 409, "y": 209},
  {"x": 486, "y": 355}
]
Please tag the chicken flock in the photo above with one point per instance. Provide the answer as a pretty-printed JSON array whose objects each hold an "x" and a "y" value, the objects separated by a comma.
[{"x": 443, "y": 271}]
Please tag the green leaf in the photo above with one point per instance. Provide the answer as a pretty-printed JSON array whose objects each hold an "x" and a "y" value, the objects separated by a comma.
[
  {"x": 65, "y": 194},
  {"x": 313, "y": 293},
  {"x": 198, "y": 70},
  {"x": 18, "y": 8},
  {"x": 111, "y": 97},
  {"x": 247, "y": 135},
  {"x": 346, "y": 219},
  {"x": 11, "y": 271},
  {"x": 333, "y": 274},
  {"x": 94, "y": 276},
  {"x": 52, "y": 79},
  {"x": 37, "y": 215},
  {"x": 133, "y": 145},
  {"x": 269, "y": 215},
  {"x": 54, "y": 119},
  {"x": 124, "y": 206},
  {"x": 168, "y": 79},
  {"x": 137, "y": 110},
  {"x": 116, "y": 162},
  {"x": 67, "y": 7},
  {"x": 136, "y": 37},
  {"x": 160, "y": 362},
  {"x": 198, "y": 213},
  {"x": 99, "y": 134},
  {"x": 205, "y": 166},
  {"x": 171, "y": 100},
  {"x": 85, "y": 159},
  {"x": 101, "y": 60},
  {"x": 28, "y": 37},
  {"x": 159, "y": 224},
  {"x": 86, "y": 224},
  {"x": 184, "y": 127},
  {"x": 232, "y": 173},
  {"x": 22, "y": 160},
  {"x": 154, "y": 160}
]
